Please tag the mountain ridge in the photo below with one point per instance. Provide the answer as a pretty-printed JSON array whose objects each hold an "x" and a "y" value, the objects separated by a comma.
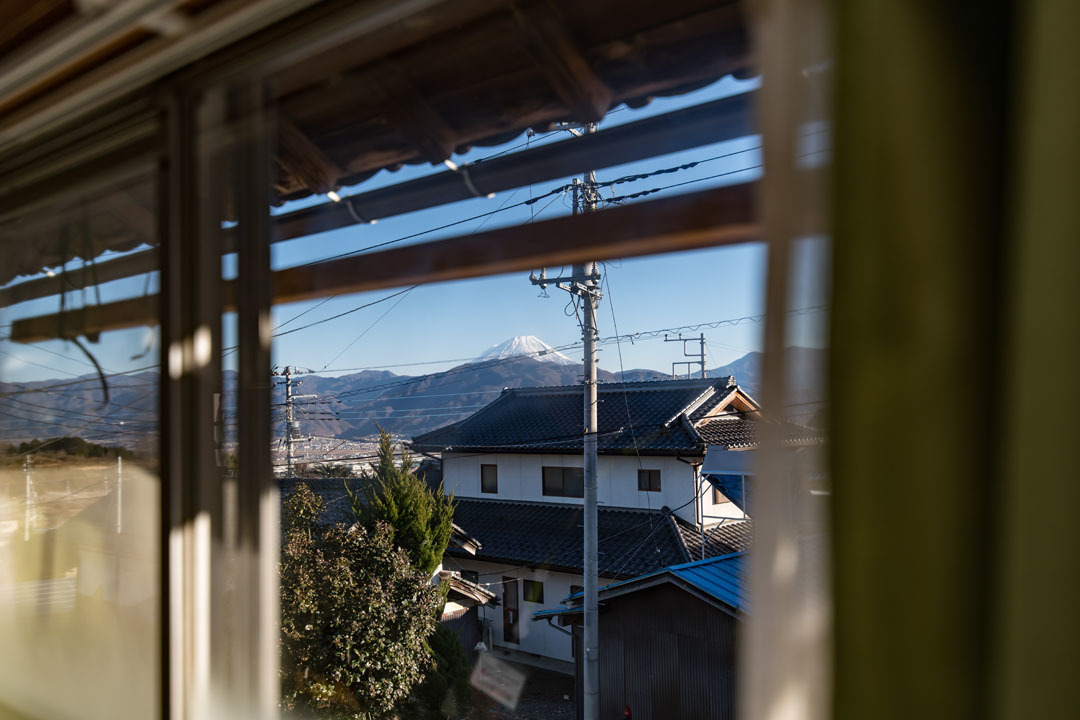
[{"x": 351, "y": 406}]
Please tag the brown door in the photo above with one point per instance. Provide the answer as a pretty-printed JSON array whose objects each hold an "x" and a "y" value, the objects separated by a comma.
[{"x": 510, "y": 610}]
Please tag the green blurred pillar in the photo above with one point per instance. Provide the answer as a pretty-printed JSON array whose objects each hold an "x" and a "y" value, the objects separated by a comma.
[{"x": 956, "y": 353}]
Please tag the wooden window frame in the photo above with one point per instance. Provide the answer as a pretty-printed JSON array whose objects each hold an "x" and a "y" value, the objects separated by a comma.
[{"x": 191, "y": 511}]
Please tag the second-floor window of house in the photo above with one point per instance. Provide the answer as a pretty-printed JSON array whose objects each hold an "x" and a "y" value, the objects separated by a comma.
[
  {"x": 564, "y": 481},
  {"x": 489, "y": 478},
  {"x": 532, "y": 591},
  {"x": 730, "y": 483},
  {"x": 648, "y": 480}
]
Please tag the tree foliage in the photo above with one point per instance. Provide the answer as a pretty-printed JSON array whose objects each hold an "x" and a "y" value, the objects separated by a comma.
[
  {"x": 445, "y": 691},
  {"x": 421, "y": 518},
  {"x": 71, "y": 446},
  {"x": 330, "y": 470},
  {"x": 355, "y": 616}
]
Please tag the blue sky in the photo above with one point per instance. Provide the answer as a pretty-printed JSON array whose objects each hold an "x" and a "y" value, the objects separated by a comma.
[{"x": 438, "y": 324}]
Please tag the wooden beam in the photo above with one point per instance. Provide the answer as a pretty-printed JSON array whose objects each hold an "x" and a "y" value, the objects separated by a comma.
[
  {"x": 678, "y": 130},
  {"x": 713, "y": 217},
  {"x": 668, "y": 66},
  {"x": 722, "y": 216},
  {"x": 135, "y": 217},
  {"x": 547, "y": 41},
  {"x": 299, "y": 157},
  {"x": 89, "y": 320},
  {"x": 408, "y": 112},
  {"x": 419, "y": 28}
]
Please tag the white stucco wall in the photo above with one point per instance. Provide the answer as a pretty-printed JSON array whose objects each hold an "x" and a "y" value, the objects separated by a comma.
[
  {"x": 536, "y": 637},
  {"x": 521, "y": 478},
  {"x": 733, "y": 462}
]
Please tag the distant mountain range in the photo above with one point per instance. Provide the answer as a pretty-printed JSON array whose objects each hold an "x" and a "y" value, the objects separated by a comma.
[{"x": 355, "y": 405}]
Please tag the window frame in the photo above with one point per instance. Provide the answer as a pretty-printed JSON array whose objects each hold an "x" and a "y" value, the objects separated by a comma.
[
  {"x": 531, "y": 589},
  {"x": 649, "y": 474},
  {"x": 495, "y": 470},
  {"x": 579, "y": 481},
  {"x": 717, "y": 494},
  {"x": 179, "y": 415}
]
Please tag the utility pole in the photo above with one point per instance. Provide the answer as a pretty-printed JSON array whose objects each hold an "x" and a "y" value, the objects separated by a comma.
[
  {"x": 290, "y": 420},
  {"x": 585, "y": 283},
  {"x": 700, "y": 354},
  {"x": 29, "y": 499},
  {"x": 119, "y": 494}
]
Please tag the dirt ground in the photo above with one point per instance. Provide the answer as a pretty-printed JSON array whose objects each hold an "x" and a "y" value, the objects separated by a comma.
[{"x": 546, "y": 696}]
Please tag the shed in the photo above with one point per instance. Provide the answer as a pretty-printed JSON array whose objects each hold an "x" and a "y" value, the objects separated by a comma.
[{"x": 668, "y": 640}]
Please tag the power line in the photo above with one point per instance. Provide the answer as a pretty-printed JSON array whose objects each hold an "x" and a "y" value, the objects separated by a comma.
[
  {"x": 373, "y": 324},
  {"x": 641, "y": 335},
  {"x": 643, "y": 193},
  {"x": 348, "y": 312},
  {"x": 305, "y": 312},
  {"x": 455, "y": 223},
  {"x": 532, "y": 200},
  {"x": 65, "y": 357},
  {"x": 32, "y": 422},
  {"x": 93, "y": 416},
  {"x": 48, "y": 388},
  {"x": 46, "y": 367}
]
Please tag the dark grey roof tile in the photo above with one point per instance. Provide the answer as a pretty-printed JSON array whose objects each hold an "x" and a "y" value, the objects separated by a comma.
[
  {"x": 549, "y": 535},
  {"x": 641, "y": 416}
]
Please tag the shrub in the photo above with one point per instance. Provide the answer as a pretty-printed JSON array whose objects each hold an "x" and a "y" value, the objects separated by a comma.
[{"x": 355, "y": 616}]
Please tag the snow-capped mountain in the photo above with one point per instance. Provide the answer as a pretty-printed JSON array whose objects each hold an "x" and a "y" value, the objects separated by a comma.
[{"x": 528, "y": 346}]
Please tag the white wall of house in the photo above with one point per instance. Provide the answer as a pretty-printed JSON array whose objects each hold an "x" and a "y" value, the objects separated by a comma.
[
  {"x": 732, "y": 462},
  {"x": 535, "y": 637},
  {"x": 715, "y": 512},
  {"x": 521, "y": 478}
]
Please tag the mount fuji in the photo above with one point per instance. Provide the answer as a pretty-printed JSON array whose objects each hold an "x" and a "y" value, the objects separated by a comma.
[{"x": 526, "y": 346}]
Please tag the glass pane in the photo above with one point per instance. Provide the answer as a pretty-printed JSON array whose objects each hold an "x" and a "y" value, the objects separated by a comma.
[
  {"x": 79, "y": 491},
  {"x": 489, "y": 478},
  {"x": 553, "y": 481},
  {"x": 574, "y": 482}
]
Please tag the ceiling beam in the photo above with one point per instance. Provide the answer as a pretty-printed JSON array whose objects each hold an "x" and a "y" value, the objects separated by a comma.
[
  {"x": 547, "y": 41},
  {"x": 138, "y": 219},
  {"x": 724, "y": 119},
  {"x": 408, "y": 112},
  {"x": 721, "y": 216},
  {"x": 302, "y": 159}
]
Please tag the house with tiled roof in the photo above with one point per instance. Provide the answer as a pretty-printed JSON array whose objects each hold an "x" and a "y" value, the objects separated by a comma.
[{"x": 515, "y": 469}]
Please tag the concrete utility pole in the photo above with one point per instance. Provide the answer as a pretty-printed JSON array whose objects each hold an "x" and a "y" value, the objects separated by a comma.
[
  {"x": 290, "y": 419},
  {"x": 119, "y": 494},
  {"x": 585, "y": 283},
  {"x": 700, "y": 355},
  {"x": 29, "y": 500},
  {"x": 288, "y": 422}
]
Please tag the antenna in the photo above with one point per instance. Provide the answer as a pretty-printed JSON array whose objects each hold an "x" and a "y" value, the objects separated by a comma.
[{"x": 700, "y": 355}]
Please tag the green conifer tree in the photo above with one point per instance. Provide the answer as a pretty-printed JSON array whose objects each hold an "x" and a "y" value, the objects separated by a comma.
[{"x": 421, "y": 518}]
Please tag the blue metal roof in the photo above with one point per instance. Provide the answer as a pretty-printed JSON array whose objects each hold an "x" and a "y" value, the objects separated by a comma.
[{"x": 724, "y": 578}]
